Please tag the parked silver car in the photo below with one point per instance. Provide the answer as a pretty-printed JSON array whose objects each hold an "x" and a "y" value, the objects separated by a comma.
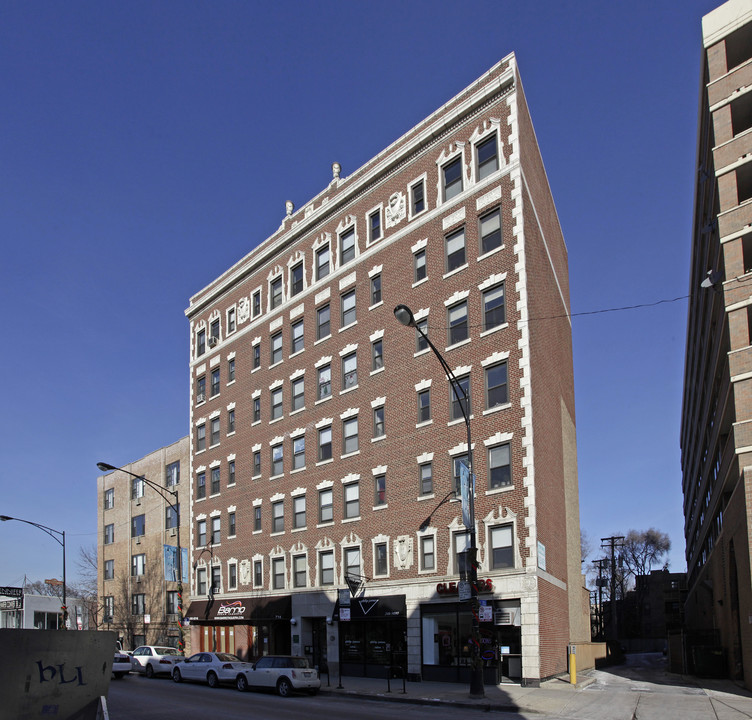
[
  {"x": 284, "y": 673},
  {"x": 154, "y": 660},
  {"x": 211, "y": 668}
]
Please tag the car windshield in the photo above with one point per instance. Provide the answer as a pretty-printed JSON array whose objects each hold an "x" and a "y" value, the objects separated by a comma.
[
  {"x": 166, "y": 651},
  {"x": 226, "y": 657}
]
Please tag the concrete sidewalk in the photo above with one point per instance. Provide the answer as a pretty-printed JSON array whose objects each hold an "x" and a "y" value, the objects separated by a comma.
[{"x": 593, "y": 696}]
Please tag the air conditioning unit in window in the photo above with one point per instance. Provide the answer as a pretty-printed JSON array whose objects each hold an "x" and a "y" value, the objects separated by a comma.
[
  {"x": 502, "y": 617},
  {"x": 138, "y": 578},
  {"x": 201, "y": 397},
  {"x": 213, "y": 341},
  {"x": 173, "y": 532}
]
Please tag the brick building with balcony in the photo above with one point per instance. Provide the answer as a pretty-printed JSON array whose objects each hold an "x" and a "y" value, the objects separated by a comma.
[{"x": 326, "y": 440}]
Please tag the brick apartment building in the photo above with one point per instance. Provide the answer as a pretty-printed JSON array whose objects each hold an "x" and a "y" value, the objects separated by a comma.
[
  {"x": 325, "y": 435},
  {"x": 716, "y": 429},
  {"x": 137, "y": 534}
]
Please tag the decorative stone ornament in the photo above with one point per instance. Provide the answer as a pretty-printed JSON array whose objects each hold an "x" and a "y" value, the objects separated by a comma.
[
  {"x": 396, "y": 209},
  {"x": 403, "y": 552}
]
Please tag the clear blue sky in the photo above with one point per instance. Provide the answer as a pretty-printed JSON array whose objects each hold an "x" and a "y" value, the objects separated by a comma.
[{"x": 147, "y": 146}]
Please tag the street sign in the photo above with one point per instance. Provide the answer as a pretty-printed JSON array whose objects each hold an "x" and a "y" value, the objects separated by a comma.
[
  {"x": 464, "y": 589},
  {"x": 344, "y": 614}
]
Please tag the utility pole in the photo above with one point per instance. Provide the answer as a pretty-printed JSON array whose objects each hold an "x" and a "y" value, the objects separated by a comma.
[
  {"x": 600, "y": 564},
  {"x": 613, "y": 543}
]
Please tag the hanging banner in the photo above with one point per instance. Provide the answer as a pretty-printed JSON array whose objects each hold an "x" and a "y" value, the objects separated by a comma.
[{"x": 465, "y": 493}]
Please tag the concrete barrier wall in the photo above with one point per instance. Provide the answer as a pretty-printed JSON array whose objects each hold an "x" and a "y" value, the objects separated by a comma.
[{"x": 54, "y": 673}]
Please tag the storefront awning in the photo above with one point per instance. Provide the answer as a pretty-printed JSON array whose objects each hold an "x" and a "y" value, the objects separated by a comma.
[
  {"x": 248, "y": 609},
  {"x": 370, "y": 608}
]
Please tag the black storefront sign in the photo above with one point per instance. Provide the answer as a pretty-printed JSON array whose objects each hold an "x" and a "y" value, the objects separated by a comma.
[
  {"x": 246, "y": 610},
  {"x": 374, "y": 608}
]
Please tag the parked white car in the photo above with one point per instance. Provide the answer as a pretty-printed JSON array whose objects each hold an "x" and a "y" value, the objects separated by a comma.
[
  {"x": 121, "y": 665},
  {"x": 152, "y": 660},
  {"x": 284, "y": 673},
  {"x": 211, "y": 668}
]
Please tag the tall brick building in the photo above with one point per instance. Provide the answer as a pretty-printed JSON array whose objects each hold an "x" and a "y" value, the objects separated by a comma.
[
  {"x": 716, "y": 430},
  {"x": 325, "y": 435}
]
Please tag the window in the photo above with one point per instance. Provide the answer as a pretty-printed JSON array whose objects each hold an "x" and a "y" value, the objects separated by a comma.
[
  {"x": 296, "y": 279},
  {"x": 375, "y": 289},
  {"x": 214, "y": 332},
  {"x": 137, "y": 488},
  {"x": 457, "y": 461},
  {"x": 171, "y": 516},
  {"x": 427, "y": 553},
  {"x": 298, "y": 394},
  {"x": 490, "y": 231},
  {"x": 231, "y": 473},
  {"x": 231, "y": 320},
  {"x": 424, "y": 406},
  {"x": 451, "y": 175},
  {"x": 326, "y": 509},
  {"x": 378, "y": 422},
  {"x": 349, "y": 371},
  {"x": 109, "y": 608},
  {"x": 348, "y": 308},
  {"x": 497, "y": 390},
  {"x": 461, "y": 543},
  {"x": 379, "y": 483},
  {"x": 258, "y": 573},
  {"x": 324, "y": 383},
  {"x": 215, "y": 382},
  {"x": 201, "y": 437},
  {"x": 352, "y": 562},
  {"x": 488, "y": 158},
  {"x": 216, "y": 579},
  {"x": 299, "y": 571},
  {"x": 256, "y": 409},
  {"x": 458, "y": 330},
  {"x": 350, "y": 436},
  {"x": 215, "y": 431},
  {"x": 200, "y": 343},
  {"x": 499, "y": 469},
  {"x": 278, "y": 516},
  {"x": 278, "y": 573},
  {"x": 230, "y": 422},
  {"x": 257, "y": 518},
  {"x": 326, "y": 567},
  {"x": 257, "y": 463},
  {"x": 171, "y": 606},
  {"x": 200, "y": 486},
  {"x": 109, "y": 569},
  {"x": 325, "y": 443},
  {"x": 201, "y": 533},
  {"x": 276, "y": 403},
  {"x": 380, "y": 565},
  {"x": 352, "y": 500},
  {"x": 455, "y": 250},
  {"x": 138, "y": 565},
  {"x": 347, "y": 246},
  {"x": 426, "y": 478},
  {"x": 277, "y": 459},
  {"x": 296, "y": 344},
  {"x": 322, "y": 262},
  {"x": 276, "y": 348},
  {"x": 256, "y": 356},
  {"x": 421, "y": 332},
  {"x": 417, "y": 198},
  {"x": 419, "y": 263},
  {"x": 502, "y": 547},
  {"x": 298, "y": 453},
  {"x": 374, "y": 225},
  {"x": 109, "y": 499},
  {"x": 323, "y": 322},
  {"x": 494, "y": 311},
  {"x": 299, "y": 512},
  {"x": 275, "y": 289},
  {"x": 216, "y": 537},
  {"x": 215, "y": 480},
  {"x": 256, "y": 309},
  {"x": 231, "y": 370},
  {"x": 138, "y": 604},
  {"x": 172, "y": 474},
  {"x": 201, "y": 389},
  {"x": 138, "y": 526},
  {"x": 201, "y": 581},
  {"x": 377, "y": 355},
  {"x": 232, "y": 576},
  {"x": 231, "y": 524}
]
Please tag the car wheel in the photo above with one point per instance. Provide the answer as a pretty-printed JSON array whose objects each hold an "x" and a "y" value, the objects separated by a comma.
[
  {"x": 212, "y": 679},
  {"x": 149, "y": 670},
  {"x": 284, "y": 688},
  {"x": 241, "y": 683},
  {"x": 176, "y": 676}
]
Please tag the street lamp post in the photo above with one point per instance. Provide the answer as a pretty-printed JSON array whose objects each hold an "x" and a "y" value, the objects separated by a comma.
[
  {"x": 175, "y": 505},
  {"x": 59, "y": 537},
  {"x": 405, "y": 316}
]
